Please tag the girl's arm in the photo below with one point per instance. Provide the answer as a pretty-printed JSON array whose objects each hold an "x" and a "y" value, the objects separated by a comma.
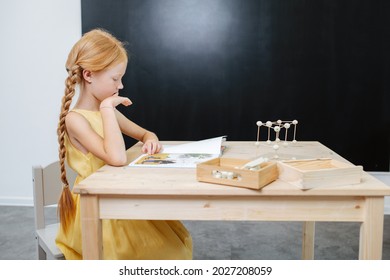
[
  {"x": 111, "y": 148},
  {"x": 129, "y": 128}
]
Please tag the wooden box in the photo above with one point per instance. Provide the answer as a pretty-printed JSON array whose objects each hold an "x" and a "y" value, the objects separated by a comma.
[
  {"x": 313, "y": 173},
  {"x": 225, "y": 171}
]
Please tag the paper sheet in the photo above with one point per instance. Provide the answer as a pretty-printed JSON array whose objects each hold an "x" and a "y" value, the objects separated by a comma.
[{"x": 186, "y": 155}]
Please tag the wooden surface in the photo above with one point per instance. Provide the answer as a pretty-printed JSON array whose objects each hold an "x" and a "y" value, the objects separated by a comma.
[
  {"x": 251, "y": 179},
  {"x": 175, "y": 194},
  {"x": 308, "y": 174},
  {"x": 171, "y": 181}
]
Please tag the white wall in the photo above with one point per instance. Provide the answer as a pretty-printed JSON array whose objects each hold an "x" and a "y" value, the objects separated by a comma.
[
  {"x": 36, "y": 36},
  {"x": 385, "y": 178}
]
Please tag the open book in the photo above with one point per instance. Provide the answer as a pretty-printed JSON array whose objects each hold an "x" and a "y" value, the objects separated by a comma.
[{"x": 186, "y": 155}]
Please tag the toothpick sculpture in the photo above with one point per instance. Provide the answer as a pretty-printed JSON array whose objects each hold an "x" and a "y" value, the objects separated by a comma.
[{"x": 277, "y": 127}]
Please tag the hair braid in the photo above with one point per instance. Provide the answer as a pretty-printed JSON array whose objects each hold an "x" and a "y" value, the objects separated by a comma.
[{"x": 66, "y": 205}]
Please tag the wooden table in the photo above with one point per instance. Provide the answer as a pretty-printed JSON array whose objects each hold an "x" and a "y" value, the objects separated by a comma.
[{"x": 175, "y": 194}]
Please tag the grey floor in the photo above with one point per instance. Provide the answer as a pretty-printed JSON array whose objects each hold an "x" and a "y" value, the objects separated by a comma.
[{"x": 214, "y": 240}]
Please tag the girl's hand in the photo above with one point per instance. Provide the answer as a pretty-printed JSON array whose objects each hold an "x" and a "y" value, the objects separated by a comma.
[
  {"x": 115, "y": 100},
  {"x": 151, "y": 147}
]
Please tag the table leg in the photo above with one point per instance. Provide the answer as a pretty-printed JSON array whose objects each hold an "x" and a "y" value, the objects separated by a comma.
[
  {"x": 308, "y": 235},
  {"x": 91, "y": 227},
  {"x": 371, "y": 229}
]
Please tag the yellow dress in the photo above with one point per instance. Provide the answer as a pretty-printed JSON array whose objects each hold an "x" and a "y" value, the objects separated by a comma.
[{"x": 122, "y": 239}]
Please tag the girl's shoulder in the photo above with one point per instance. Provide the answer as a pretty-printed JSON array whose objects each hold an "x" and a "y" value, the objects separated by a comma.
[
  {"x": 81, "y": 113},
  {"x": 84, "y": 112},
  {"x": 75, "y": 118},
  {"x": 79, "y": 120}
]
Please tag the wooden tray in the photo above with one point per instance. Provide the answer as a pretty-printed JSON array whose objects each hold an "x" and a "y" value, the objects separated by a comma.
[
  {"x": 324, "y": 172},
  {"x": 225, "y": 171}
]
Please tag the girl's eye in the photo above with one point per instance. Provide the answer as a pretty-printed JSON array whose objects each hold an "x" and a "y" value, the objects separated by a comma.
[{"x": 115, "y": 79}]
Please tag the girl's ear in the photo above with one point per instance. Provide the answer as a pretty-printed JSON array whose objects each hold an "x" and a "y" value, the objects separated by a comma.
[{"x": 87, "y": 75}]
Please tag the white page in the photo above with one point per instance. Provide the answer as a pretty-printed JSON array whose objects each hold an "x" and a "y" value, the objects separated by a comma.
[
  {"x": 208, "y": 146},
  {"x": 183, "y": 156}
]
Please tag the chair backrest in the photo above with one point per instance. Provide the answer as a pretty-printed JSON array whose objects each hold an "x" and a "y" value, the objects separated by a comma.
[{"x": 47, "y": 188}]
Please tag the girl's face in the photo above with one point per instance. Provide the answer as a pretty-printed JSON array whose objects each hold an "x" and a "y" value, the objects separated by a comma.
[{"x": 107, "y": 82}]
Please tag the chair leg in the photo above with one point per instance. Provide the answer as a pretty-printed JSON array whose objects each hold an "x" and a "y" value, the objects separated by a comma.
[{"x": 40, "y": 252}]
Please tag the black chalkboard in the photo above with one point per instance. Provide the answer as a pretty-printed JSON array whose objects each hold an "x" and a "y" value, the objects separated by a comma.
[{"x": 205, "y": 68}]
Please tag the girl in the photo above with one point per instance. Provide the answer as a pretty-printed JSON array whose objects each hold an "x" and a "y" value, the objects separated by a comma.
[{"x": 90, "y": 136}]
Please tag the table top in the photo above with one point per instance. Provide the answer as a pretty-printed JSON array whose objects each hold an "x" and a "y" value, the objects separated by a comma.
[{"x": 148, "y": 181}]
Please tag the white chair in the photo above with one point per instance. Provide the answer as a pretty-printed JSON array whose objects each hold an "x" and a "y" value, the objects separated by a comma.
[{"x": 47, "y": 189}]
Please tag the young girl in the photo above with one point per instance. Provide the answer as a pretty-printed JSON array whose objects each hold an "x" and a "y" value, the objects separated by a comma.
[{"x": 90, "y": 135}]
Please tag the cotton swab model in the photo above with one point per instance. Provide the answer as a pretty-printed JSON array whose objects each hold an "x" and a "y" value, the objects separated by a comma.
[
  {"x": 277, "y": 127},
  {"x": 254, "y": 164}
]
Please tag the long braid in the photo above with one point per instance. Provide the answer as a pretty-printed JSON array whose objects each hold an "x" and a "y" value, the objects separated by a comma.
[{"x": 66, "y": 205}]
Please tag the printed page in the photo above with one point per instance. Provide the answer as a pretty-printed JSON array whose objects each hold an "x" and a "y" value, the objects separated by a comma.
[{"x": 186, "y": 155}]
